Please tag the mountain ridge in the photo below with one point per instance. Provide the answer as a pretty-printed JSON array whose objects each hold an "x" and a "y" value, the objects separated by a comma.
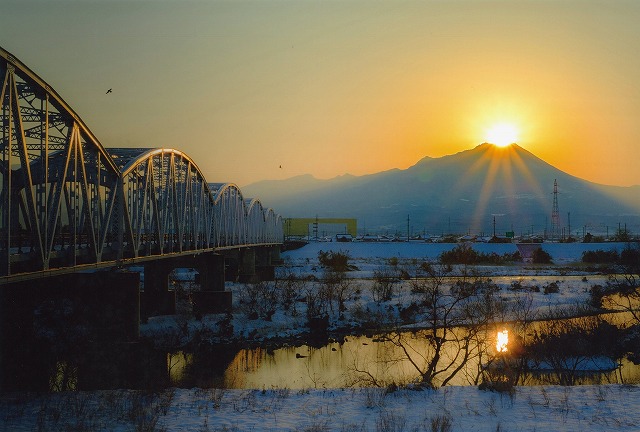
[{"x": 460, "y": 191}]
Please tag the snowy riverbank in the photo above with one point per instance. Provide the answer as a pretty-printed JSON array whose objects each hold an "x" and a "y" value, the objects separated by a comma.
[{"x": 454, "y": 409}]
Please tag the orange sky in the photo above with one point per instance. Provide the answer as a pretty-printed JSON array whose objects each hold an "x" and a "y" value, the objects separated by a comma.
[{"x": 338, "y": 87}]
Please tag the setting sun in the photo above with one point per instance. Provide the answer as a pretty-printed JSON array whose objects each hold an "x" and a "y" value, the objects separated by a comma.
[{"x": 502, "y": 134}]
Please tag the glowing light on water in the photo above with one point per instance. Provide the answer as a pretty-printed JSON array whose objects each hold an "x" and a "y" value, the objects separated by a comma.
[{"x": 502, "y": 341}]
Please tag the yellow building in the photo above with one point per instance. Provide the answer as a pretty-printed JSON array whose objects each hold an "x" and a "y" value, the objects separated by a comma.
[{"x": 304, "y": 227}]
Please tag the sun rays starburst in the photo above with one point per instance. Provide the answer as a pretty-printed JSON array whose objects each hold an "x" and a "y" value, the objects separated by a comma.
[{"x": 502, "y": 134}]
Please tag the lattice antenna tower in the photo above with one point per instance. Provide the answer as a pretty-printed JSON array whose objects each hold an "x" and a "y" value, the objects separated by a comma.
[{"x": 555, "y": 213}]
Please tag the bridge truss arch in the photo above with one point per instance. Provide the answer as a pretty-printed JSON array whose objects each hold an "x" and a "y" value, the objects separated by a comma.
[
  {"x": 66, "y": 201},
  {"x": 167, "y": 207},
  {"x": 57, "y": 184},
  {"x": 230, "y": 215}
]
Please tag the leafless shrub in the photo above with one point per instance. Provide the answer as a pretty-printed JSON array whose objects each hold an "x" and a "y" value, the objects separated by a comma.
[
  {"x": 374, "y": 397},
  {"x": 259, "y": 300},
  {"x": 331, "y": 293},
  {"x": 225, "y": 428},
  {"x": 317, "y": 302},
  {"x": 388, "y": 421},
  {"x": 291, "y": 287},
  {"x": 282, "y": 393},
  {"x": 546, "y": 399},
  {"x": 384, "y": 279},
  {"x": 73, "y": 411},
  {"x": 491, "y": 406},
  {"x": 316, "y": 426},
  {"x": 441, "y": 423},
  {"x": 567, "y": 345},
  {"x": 601, "y": 393},
  {"x": 501, "y": 380},
  {"x": 353, "y": 427},
  {"x": 565, "y": 406},
  {"x": 245, "y": 402},
  {"x": 625, "y": 283},
  {"x": 145, "y": 409}
]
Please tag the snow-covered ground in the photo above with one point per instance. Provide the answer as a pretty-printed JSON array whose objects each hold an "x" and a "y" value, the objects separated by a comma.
[
  {"x": 539, "y": 408},
  {"x": 535, "y": 409}
]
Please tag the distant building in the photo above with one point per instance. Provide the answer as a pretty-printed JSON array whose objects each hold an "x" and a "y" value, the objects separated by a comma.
[{"x": 319, "y": 227}]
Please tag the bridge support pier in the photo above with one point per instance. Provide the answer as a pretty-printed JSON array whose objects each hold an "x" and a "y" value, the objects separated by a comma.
[
  {"x": 247, "y": 266},
  {"x": 276, "y": 259},
  {"x": 212, "y": 297},
  {"x": 157, "y": 299},
  {"x": 264, "y": 269},
  {"x": 252, "y": 264},
  {"x": 232, "y": 265},
  {"x": 41, "y": 319}
]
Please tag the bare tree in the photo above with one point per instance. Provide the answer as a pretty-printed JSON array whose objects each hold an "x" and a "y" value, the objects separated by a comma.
[
  {"x": 259, "y": 300},
  {"x": 335, "y": 288},
  {"x": 624, "y": 287},
  {"x": 291, "y": 288},
  {"x": 458, "y": 317},
  {"x": 383, "y": 281}
]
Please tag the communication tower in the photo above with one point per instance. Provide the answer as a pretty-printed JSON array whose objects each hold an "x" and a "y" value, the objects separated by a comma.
[{"x": 555, "y": 213}]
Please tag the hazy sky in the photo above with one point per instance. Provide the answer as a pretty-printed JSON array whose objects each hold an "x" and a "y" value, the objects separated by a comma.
[{"x": 335, "y": 87}]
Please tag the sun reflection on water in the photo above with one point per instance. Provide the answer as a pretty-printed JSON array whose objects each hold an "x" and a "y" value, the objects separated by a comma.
[{"x": 502, "y": 341}]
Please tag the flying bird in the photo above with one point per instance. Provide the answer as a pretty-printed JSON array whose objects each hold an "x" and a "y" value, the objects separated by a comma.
[{"x": 109, "y": 91}]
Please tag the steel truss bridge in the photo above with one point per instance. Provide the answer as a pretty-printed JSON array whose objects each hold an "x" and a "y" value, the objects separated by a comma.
[{"x": 68, "y": 203}]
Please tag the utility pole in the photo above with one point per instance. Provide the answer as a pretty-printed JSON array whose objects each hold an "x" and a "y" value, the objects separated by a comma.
[
  {"x": 494, "y": 226},
  {"x": 407, "y": 228}
]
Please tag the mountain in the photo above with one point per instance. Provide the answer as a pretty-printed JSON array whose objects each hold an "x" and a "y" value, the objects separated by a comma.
[{"x": 459, "y": 193}]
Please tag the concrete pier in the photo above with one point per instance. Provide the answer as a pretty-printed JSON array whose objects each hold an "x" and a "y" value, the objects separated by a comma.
[
  {"x": 247, "y": 266},
  {"x": 157, "y": 299},
  {"x": 263, "y": 267},
  {"x": 212, "y": 297}
]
